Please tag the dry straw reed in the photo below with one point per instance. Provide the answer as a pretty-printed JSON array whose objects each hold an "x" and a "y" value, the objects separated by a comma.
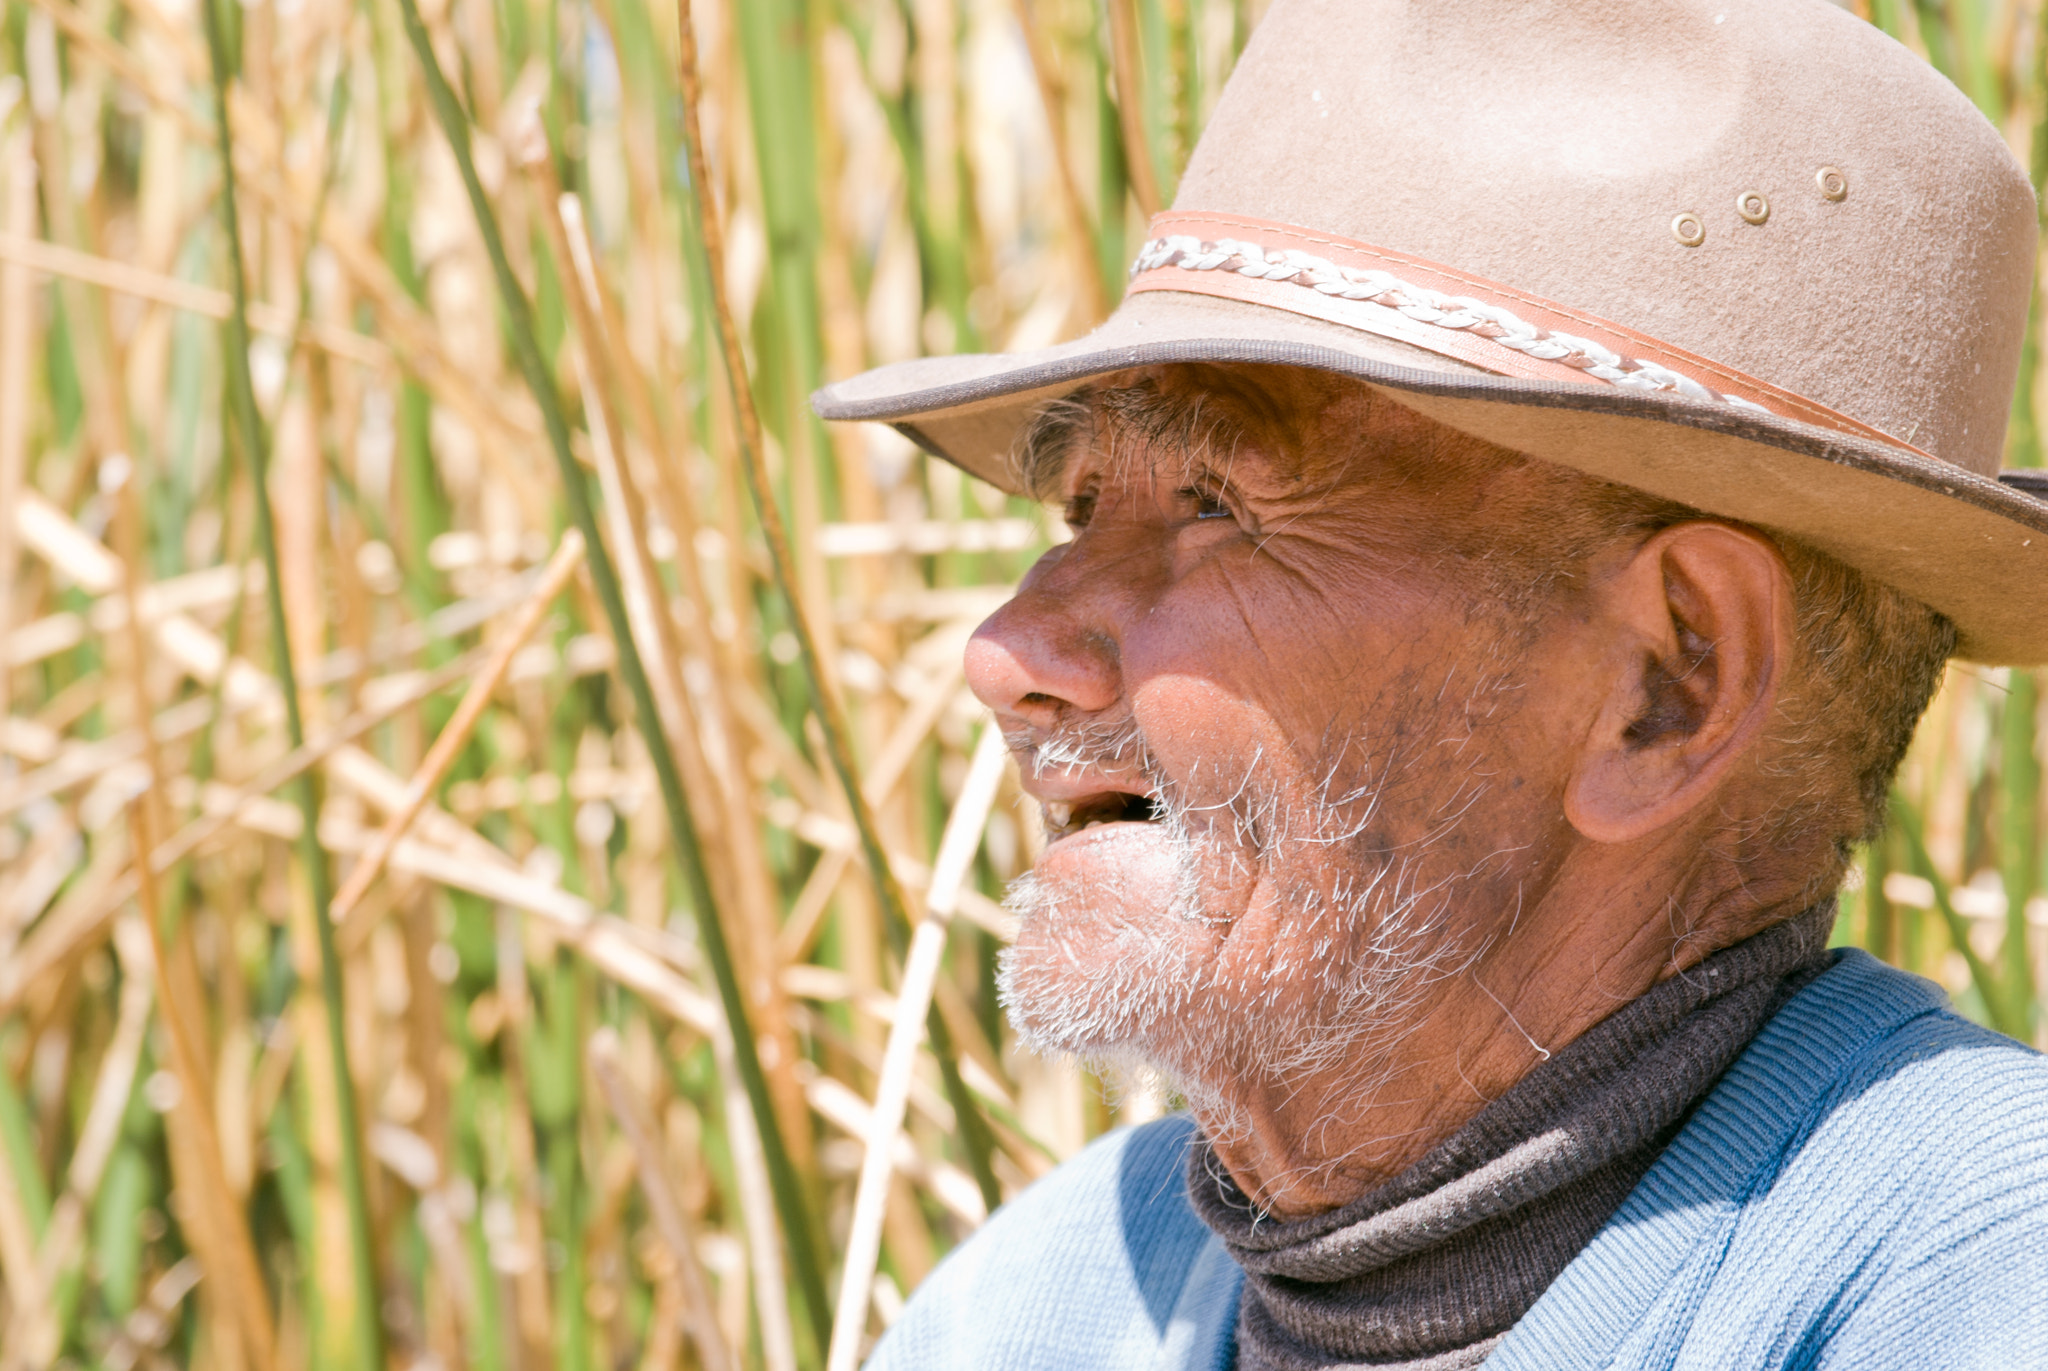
[{"x": 404, "y": 469}]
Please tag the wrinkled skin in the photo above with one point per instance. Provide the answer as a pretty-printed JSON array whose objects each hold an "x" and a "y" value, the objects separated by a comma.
[{"x": 1409, "y": 821}]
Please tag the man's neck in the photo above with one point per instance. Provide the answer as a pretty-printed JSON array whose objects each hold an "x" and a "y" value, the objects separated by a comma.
[{"x": 1301, "y": 1147}]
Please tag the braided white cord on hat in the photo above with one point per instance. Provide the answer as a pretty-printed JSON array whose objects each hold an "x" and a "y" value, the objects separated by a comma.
[{"x": 1476, "y": 317}]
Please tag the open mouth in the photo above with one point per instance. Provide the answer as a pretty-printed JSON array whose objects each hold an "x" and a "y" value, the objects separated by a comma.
[{"x": 1063, "y": 820}]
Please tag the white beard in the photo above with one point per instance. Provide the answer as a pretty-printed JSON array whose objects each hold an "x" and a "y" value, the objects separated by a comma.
[{"x": 1136, "y": 1000}]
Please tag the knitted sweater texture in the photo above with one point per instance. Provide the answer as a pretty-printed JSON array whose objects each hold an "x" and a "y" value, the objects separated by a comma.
[{"x": 1866, "y": 1187}]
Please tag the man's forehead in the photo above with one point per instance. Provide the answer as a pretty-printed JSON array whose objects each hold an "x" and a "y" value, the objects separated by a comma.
[{"x": 1286, "y": 423}]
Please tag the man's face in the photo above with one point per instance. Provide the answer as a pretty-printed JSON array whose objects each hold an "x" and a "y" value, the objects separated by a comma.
[{"x": 1278, "y": 711}]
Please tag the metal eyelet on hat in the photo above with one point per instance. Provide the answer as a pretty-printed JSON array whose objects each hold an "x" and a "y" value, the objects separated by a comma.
[
  {"x": 1833, "y": 185},
  {"x": 1752, "y": 206},
  {"x": 1689, "y": 229}
]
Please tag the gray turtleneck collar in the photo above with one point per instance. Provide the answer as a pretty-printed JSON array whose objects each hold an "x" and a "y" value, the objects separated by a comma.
[{"x": 1431, "y": 1269}]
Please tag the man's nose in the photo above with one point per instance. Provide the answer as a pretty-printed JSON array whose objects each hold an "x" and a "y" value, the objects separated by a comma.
[{"x": 1041, "y": 655}]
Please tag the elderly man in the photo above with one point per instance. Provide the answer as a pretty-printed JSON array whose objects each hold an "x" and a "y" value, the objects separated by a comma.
[{"x": 1524, "y": 503}]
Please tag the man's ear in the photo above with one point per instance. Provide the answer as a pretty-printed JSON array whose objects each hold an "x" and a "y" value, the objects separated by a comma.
[{"x": 1702, "y": 616}]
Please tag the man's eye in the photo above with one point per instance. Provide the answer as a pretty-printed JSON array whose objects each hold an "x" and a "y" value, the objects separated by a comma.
[
  {"x": 1208, "y": 504},
  {"x": 1079, "y": 511}
]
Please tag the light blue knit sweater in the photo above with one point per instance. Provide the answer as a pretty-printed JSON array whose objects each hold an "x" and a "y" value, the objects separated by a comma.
[{"x": 1867, "y": 1188}]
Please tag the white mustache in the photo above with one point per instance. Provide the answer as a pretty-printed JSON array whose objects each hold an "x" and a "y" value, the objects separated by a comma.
[
  {"x": 1333, "y": 815},
  {"x": 1087, "y": 745}
]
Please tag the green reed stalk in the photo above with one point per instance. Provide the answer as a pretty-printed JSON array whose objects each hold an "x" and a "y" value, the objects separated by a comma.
[
  {"x": 369, "y": 1327},
  {"x": 1158, "y": 105},
  {"x": 941, "y": 253},
  {"x": 1184, "y": 27},
  {"x": 2019, "y": 839},
  {"x": 1879, "y": 934},
  {"x": 18, "y": 1154},
  {"x": 119, "y": 1204},
  {"x": 518, "y": 313},
  {"x": 1997, "y": 1002},
  {"x": 1971, "y": 44},
  {"x": 974, "y": 1129},
  {"x": 1112, "y": 222}
]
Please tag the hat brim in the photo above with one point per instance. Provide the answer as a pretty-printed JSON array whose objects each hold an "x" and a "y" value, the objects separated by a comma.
[{"x": 1968, "y": 545}]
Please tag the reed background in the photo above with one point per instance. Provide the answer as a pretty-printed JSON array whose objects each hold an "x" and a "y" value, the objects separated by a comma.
[{"x": 546, "y": 1156}]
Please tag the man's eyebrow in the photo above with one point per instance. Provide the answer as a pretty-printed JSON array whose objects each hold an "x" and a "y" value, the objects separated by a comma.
[
  {"x": 1191, "y": 426},
  {"x": 1039, "y": 457}
]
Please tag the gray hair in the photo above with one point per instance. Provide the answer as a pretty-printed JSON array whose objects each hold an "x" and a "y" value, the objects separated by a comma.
[{"x": 1869, "y": 659}]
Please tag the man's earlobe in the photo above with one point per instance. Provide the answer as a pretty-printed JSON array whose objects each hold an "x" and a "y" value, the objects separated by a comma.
[{"x": 1703, "y": 613}]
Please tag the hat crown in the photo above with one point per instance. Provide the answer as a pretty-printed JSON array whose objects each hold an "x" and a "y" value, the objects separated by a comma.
[{"x": 1552, "y": 145}]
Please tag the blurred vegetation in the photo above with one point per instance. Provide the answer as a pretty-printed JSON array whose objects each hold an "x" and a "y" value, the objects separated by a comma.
[
  {"x": 1957, "y": 889},
  {"x": 559, "y": 1145}
]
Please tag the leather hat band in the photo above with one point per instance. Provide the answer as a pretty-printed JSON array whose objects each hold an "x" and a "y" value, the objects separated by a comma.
[{"x": 1476, "y": 321}]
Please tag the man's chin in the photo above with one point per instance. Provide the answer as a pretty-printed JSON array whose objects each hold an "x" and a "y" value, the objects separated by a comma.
[
  {"x": 1096, "y": 971},
  {"x": 1138, "y": 1028}
]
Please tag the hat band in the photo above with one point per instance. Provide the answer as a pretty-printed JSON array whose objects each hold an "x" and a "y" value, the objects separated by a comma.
[{"x": 1490, "y": 326}]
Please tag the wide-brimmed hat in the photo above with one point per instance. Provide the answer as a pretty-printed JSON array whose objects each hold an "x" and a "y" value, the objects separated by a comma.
[{"x": 1751, "y": 255}]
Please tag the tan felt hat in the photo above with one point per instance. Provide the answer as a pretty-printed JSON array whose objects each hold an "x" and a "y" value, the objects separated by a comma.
[{"x": 1751, "y": 255}]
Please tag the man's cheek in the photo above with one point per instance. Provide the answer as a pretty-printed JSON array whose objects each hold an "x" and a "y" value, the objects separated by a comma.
[
  {"x": 1195, "y": 710},
  {"x": 1261, "y": 636}
]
